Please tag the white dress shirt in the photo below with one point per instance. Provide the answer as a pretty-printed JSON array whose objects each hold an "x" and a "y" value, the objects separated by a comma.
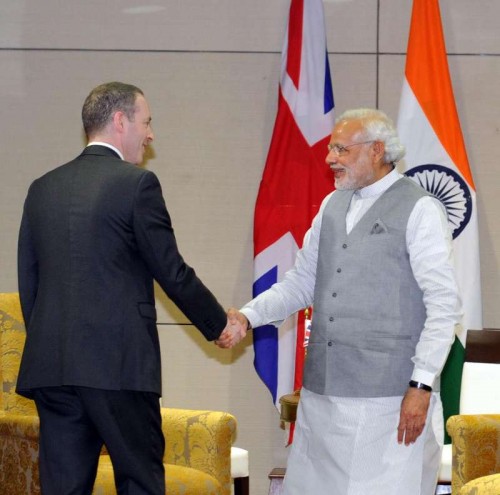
[
  {"x": 428, "y": 241},
  {"x": 107, "y": 145}
]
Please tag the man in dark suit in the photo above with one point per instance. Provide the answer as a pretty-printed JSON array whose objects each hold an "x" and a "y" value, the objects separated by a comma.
[{"x": 95, "y": 233}]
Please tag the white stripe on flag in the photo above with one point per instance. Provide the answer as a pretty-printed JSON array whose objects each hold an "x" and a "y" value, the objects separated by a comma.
[{"x": 429, "y": 127}]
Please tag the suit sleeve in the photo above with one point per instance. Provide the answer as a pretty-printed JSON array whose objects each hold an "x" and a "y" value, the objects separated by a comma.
[
  {"x": 158, "y": 247},
  {"x": 27, "y": 268}
]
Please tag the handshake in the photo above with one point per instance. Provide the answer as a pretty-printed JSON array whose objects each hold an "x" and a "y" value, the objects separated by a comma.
[{"x": 235, "y": 331}]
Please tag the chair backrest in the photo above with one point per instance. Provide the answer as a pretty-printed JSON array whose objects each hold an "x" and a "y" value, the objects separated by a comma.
[
  {"x": 480, "y": 390},
  {"x": 12, "y": 337}
]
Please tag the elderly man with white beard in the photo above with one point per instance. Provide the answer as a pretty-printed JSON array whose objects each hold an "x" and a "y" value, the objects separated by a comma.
[{"x": 377, "y": 266}]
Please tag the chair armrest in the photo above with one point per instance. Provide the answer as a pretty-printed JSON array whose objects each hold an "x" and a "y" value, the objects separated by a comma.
[
  {"x": 201, "y": 440},
  {"x": 486, "y": 485},
  {"x": 19, "y": 426},
  {"x": 19, "y": 454},
  {"x": 475, "y": 447}
]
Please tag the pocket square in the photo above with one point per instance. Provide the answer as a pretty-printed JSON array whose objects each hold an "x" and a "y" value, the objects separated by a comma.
[{"x": 378, "y": 227}]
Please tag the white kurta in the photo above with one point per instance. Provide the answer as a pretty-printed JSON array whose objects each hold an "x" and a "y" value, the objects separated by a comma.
[{"x": 348, "y": 446}]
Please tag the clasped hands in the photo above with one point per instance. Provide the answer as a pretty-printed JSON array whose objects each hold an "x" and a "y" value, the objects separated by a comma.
[{"x": 235, "y": 330}]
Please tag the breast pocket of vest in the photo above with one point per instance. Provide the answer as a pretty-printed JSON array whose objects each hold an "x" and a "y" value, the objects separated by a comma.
[
  {"x": 384, "y": 246},
  {"x": 379, "y": 227}
]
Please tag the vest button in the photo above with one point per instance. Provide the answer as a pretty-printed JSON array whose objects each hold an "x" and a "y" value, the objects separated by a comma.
[
  {"x": 331, "y": 318},
  {"x": 344, "y": 246},
  {"x": 334, "y": 294},
  {"x": 330, "y": 343},
  {"x": 339, "y": 270}
]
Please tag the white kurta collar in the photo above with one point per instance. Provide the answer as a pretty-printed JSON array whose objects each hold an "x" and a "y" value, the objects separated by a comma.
[{"x": 380, "y": 186}]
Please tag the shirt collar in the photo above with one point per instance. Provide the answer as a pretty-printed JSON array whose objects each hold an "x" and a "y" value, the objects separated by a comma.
[
  {"x": 380, "y": 186},
  {"x": 100, "y": 143}
]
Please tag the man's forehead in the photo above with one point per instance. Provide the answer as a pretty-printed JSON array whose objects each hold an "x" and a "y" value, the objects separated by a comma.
[
  {"x": 141, "y": 105},
  {"x": 345, "y": 130}
]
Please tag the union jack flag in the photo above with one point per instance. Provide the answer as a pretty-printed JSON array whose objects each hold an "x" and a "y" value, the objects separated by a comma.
[{"x": 294, "y": 182}]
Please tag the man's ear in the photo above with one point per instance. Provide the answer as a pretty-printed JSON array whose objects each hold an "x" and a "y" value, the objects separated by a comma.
[
  {"x": 378, "y": 150},
  {"x": 119, "y": 121}
]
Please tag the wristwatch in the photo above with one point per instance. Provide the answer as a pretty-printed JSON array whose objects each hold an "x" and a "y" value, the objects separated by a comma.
[{"x": 423, "y": 386}]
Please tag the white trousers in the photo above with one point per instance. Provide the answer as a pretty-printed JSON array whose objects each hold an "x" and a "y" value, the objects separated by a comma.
[{"x": 348, "y": 446}]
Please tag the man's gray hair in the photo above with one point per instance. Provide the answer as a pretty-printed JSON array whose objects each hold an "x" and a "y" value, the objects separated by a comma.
[{"x": 377, "y": 127}]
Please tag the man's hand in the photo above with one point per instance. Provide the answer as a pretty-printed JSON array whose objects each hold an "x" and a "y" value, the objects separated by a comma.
[
  {"x": 237, "y": 316},
  {"x": 235, "y": 330},
  {"x": 413, "y": 415}
]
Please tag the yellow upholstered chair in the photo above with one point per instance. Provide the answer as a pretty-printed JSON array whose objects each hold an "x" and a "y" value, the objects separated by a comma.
[
  {"x": 475, "y": 448},
  {"x": 486, "y": 485},
  {"x": 198, "y": 443},
  {"x": 479, "y": 392},
  {"x": 197, "y": 454},
  {"x": 18, "y": 418}
]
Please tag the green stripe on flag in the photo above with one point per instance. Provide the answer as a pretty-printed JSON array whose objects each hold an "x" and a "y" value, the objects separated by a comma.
[{"x": 451, "y": 381}]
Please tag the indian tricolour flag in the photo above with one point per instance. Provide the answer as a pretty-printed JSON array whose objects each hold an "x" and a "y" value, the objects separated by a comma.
[{"x": 429, "y": 127}]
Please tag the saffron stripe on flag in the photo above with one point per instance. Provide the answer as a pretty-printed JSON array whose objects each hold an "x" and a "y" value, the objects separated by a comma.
[{"x": 436, "y": 158}]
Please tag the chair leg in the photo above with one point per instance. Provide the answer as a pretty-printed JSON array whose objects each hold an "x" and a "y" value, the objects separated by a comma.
[
  {"x": 276, "y": 477},
  {"x": 443, "y": 488},
  {"x": 242, "y": 486}
]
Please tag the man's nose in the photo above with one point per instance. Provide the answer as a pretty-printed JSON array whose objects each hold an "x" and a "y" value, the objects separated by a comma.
[{"x": 331, "y": 158}]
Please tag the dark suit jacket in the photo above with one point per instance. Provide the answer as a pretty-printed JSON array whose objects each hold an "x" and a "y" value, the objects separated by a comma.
[{"x": 94, "y": 234}]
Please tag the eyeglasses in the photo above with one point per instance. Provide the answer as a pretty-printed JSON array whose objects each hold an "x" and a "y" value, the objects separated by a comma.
[{"x": 343, "y": 150}]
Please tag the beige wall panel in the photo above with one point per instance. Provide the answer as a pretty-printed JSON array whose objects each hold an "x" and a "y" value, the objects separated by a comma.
[
  {"x": 477, "y": 94},
  {"x": 215, "y": 144},
  {"x": 391, "y": 76},
  {"x": 41, "y": 128},
  {"x": 354, "y": 81},
  {"x": 476, "y": 91},
  {"x": 225, "y": 25},
  {"x": 351, "y": 25},
  {"x": 469, "y": 27},
  {"x": 209, "y": 151},
  {"x": 131, "y": 25}
]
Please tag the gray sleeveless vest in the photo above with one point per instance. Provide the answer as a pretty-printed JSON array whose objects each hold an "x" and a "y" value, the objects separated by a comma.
[{"x": 368, "y": 308}]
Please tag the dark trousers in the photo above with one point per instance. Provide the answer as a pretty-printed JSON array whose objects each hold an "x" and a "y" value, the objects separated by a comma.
[{"x": 74, "y": 424}]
